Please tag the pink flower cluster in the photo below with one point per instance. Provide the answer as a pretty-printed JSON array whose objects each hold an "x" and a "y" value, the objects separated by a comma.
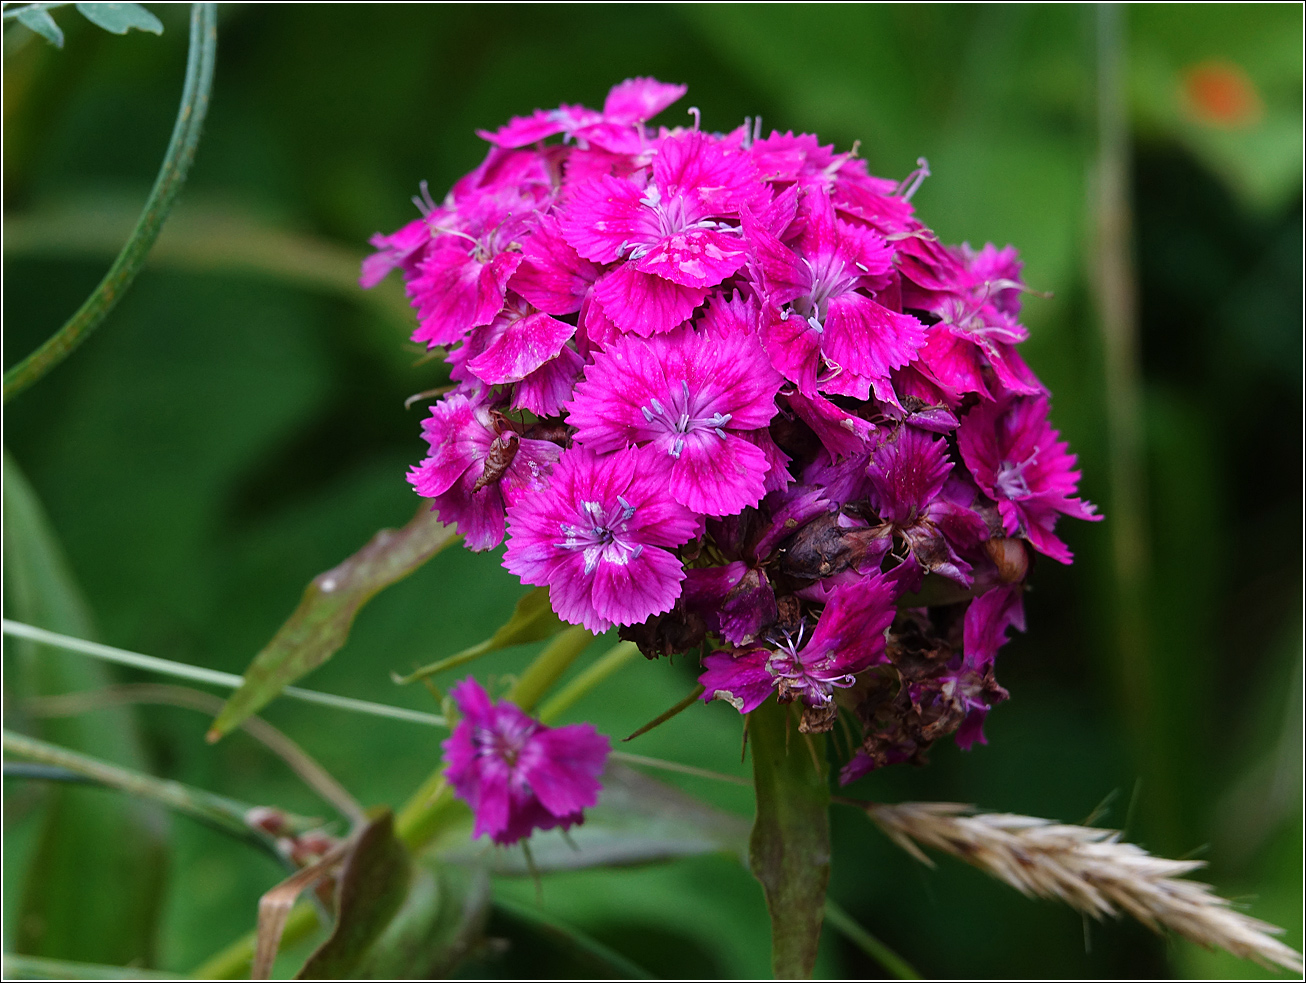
[{"x": 726, "y": 390}]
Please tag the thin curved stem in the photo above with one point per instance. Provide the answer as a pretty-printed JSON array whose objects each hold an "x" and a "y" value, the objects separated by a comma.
[{"x": 172, "y": 175}]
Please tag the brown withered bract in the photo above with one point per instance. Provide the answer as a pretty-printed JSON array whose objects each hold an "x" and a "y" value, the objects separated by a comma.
[{"x": 667, "y": 634}]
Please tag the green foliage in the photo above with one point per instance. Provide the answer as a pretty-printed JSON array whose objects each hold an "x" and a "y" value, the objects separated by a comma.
[
  {"x": 319, "y": 627},
  {"x": 532, "y": 620},
  {"x": 119, "y": 18},
  {"x": 789, "y": 850},
  {"x": 37, "y": 18},
  {"x": 372, "y": 886}
]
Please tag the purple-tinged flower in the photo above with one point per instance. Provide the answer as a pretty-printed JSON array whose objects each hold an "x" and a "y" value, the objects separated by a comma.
[
  {"x": 848, "y": 639},
  {"x": 1017, "y": 459},
  {"x": 821, "y": 329},
  {"x": 517, "y": 774},
  {"x": 600, "y": 539},
  {"x": 477, "y": 467},
  {"x": 736, "y": 601},
  {"x": 517, "y": 342},
  {"x": 908, "y": 475},
  {"x": 689, "y": 395}
]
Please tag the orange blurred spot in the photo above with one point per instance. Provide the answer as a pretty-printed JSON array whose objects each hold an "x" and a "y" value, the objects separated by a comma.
[{"x": 1219, "y": 93}]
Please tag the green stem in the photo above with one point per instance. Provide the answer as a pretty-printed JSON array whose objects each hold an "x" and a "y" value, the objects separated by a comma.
[
  {"x": 640, "y": 761},
  {"x": 199, "y": 674},
  {"x": 541, "y": 674},
  {"x": 234, "y": 961},
  {"x": 168, "y": 184},
  {"x": 593, "y": 674},
  {"x": 18, "y": 967},
  {"x": 844, "y": 923},
  {"x": 216, "y": 810}
]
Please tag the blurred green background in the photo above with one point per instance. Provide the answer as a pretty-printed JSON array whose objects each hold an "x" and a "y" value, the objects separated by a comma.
[{"x": 237, "y": 425}]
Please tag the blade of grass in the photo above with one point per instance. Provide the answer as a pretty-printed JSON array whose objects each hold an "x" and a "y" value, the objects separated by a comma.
[
  {"x": 218, "y": 811},
  {"x": 611, "y": 960},
  {"x": 296, "y": 758},
  {"x": 662, "y": 718},
  {"x": 199, "y": 674},
  {"x": 847, "y": 926},
  {"x": 168, "y": 184},
  {"x": 18, "y": 967}
]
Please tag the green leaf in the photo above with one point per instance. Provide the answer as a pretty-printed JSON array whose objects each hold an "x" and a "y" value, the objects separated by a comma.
[
  {"x": 321, "y": 623},
  {"x": 38, "y": 19},
  {"x": 35, "y": 968},
  {"x": 789, "y": 851},
  {"x": 93, "y": 890},
  {"x": 119, "y": 18},
  {"x": 532, "y": 620},
  {"x": 638, "y": 820},
  {"x": 441, "y": 921},
  {"x": 372, "y": 888}
]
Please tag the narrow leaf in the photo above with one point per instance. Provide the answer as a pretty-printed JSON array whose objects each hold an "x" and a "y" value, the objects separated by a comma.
[
  {"x": 532, "y": 620},
  {"x": 93, "y": 889},
  {"x": 320, "y": 625},
  {"x": 789, "y": 850},
  {"x": 119, "y": 18},
  {"x": 35, "y": 968},
  {"x": 373, "y": 885},
  {"x": 612, "y": 963},
  {"x": 38, "y": 19},
  {"x": 638, "y": 820},
  {"x": 276, "y": 903}
]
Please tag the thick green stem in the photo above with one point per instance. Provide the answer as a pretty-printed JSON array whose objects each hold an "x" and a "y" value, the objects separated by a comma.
[
  {"x": 789, "y": 850},
  {"x": 172, "y": 175}
]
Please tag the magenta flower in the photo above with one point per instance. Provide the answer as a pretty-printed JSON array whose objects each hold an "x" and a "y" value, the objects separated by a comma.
[
  {"x": 670, "y": 233},
  {"x": 599, "y": 539},
  {"x": 478, "y": 465},
  {"x": 517, "y": 774},
  {"x": 1017, "y": 460},
  {"x": 822, "y": 328},
  {"x": 618, "y": 128},
  {"x": 689, "y": 395},
  {"x": 908, "y": 475},
  {"x": 849, "y": 638}
]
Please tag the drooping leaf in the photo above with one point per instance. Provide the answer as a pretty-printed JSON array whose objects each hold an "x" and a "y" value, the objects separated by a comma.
[
  {"x": 532, "y": 620},
  {"x": 38, "y": 19},
  {"x": 372, "y": 886},
  {"x": 119, "y": 18},
  {"x": 789, "y": 850},
  {"x": 320, "y": 625},
  {"x": 440, "y": 922},
  {"x": 93, "y": 890},
  {"x": 638, "y": 820}
]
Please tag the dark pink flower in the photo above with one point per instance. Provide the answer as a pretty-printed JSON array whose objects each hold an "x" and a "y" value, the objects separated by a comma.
[
  {"x": 908, "y": 475},
  {"x": 599, "y": 538},
  {"x": 477, "y": 467},
  {"x": 849, "y": 638},
  {"x": 517, "y": 774},
  {"x": 688, "y": 395},
  {"x": 822, "y": 328},
  {"x": 1017, "y": 459}
]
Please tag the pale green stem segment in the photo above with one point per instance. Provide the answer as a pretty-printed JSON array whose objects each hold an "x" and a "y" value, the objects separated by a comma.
[
  {"x": 548, "y": 666},
  {"x": 37, "y": 967},
  {"x": 604, "y": 666},
  {"x": 199, "y": 674},
  {"x": 889, "y": 960},
  {"x": 172, "y": 175},
  {"x": 216, "y": 810},
  {"x": 658, "y": 763}
]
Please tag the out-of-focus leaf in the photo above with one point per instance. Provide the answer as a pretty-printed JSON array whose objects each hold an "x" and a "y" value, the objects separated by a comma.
[
  {"x": 119, "y": 18},
  {"x": 613, "y": 963},
  {"x": 439, "y": 923},
  {"x": 372, "y": 887},
  {"x": 789, "y": 850},
  {"x": 532, "y": 620},
  {"x": 38, "y": 19},
  {"x": 93, "y": 890},
  {"x": 638, "y": 820},
  {"x": 321, "y": 623},
  {"x": 276, "y": 903}
]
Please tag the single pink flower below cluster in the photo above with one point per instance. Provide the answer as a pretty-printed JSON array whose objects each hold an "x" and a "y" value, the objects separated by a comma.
[
  {"x": 726, "y": 390},
  {"x": 517, "y": 774}
]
